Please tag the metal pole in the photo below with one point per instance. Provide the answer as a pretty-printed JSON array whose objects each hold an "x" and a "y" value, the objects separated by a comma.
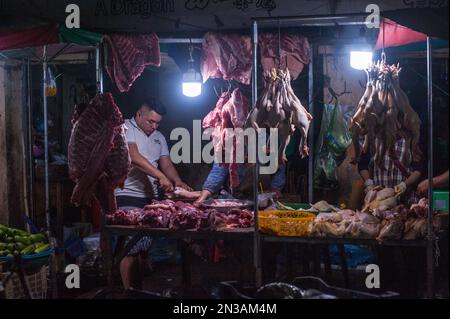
[
  {"x": 46, "y": 172},
  {"x": 98, "y": 68},
  {"x": 30, "y": 144},
  {"x": 311, "y": 128},
  {"x": 323, "y": 17},
  {"x": 430, "y": 234},
  {"x": 256, "y": 239}
]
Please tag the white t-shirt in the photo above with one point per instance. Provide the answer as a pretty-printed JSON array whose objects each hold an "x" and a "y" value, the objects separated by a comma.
[{"x": 153, "y": 147}]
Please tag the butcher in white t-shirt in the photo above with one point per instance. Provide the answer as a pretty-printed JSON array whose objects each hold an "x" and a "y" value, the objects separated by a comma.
[{"x": 151, "y": 167}]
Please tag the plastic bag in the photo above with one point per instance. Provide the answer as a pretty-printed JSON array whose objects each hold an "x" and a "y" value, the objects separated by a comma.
[
  {"x": 334, "y": 139},
  {"x": 338, "y": 137},
  {"x": 50, "y": 84},
  {"x": 355, "y": 255}
]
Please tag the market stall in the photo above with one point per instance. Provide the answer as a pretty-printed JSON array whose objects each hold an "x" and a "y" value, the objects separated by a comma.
[
  {"x": 42, "y": 46},
  {"x": 428, "y": 239},
  {"x": 99, "y": 159}
]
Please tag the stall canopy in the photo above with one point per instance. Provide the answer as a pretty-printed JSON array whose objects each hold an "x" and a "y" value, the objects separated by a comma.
[
  {"x": 128, "y": 54},
  {"x": 430, "y": 21},
  {"x": 403, "y": 38},
  {"x": 45, "y": 35}
]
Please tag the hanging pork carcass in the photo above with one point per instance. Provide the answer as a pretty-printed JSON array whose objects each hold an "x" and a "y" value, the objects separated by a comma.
[{"x": 98, "y": 156}]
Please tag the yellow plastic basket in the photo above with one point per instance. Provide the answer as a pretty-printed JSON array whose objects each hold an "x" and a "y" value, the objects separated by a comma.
[{"x": 285, "y": 222}]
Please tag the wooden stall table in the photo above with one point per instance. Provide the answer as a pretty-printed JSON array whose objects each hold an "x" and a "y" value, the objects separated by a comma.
[
  {"x": 322, "y": 245},
  {"x": 114, "y": 256},
  {"x": 60, "y": 191}
]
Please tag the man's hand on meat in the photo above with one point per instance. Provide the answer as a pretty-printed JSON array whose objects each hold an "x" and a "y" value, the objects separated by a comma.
[
  {"x": 165, "y": 184},
  {"x": 400, "y": 188},
  {"x": 440, "y": 182},
  {"x": 181, "y": 184},
  {"x": 204, "y": 196},
  {"x": 368, "y": 185}
]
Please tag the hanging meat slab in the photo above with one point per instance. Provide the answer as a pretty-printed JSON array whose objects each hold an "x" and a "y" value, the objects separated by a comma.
[{"x": 97, "y": 153}]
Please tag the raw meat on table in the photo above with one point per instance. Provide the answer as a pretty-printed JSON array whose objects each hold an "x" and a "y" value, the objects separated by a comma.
[{"x": 182, "y": 216}]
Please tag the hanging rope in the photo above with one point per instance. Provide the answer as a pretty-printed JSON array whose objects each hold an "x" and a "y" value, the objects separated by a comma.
[
  {"x": 279, "y": 43},
  {"x": 383, "y": 52}
]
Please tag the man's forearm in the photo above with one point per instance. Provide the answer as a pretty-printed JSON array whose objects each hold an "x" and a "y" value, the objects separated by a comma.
[
  {"x": 172, "y": 174},
  {"x": 364, "y": 174},
  {"x": 141, "y": 163},
  {"x": 170, "y": 171},
  {"x": 148, "y": 168},
  {"x": 441, "y": 180},
  {"x": 413, "y": 178}
]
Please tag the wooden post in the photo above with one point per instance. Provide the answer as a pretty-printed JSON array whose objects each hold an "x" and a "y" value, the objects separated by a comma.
[{"x": 12, "y": 128}]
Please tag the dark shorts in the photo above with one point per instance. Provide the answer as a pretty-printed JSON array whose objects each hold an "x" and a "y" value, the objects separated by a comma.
[
  {"x": 129, "y": 202},
  {"x": 134, "y": 202}
]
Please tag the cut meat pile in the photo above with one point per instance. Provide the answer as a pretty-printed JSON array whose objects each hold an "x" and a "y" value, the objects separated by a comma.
[
  {"x": 278, "y": 107},
  {"x": 230, "y": 113},
  {"x": 383, "y": 113},
  {"x": 98, "y": 154},
  {"x": 182, "y": 216},
  {"x": 397, "y": 222}
]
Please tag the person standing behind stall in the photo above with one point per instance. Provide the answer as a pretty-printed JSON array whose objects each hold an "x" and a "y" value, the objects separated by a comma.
[
  {"x": 402, "y": 178},
  {"x": 151, "y": 167}
]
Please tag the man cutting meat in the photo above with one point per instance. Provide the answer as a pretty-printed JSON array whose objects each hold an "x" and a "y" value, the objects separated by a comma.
[{"x": 151, "y": 167}]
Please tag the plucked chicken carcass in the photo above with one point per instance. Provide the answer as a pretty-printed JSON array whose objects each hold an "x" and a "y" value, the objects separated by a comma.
[
  {"x": 380, "y": 199},
  {"x": 391, "y": 229},
  {"x": 323, "y": 206},
  {"x": 416, "y": 223},
  {"x": 393, "y": 223},
  {"x": 363, "y": 225},
  {"x": 331, "y": 224}
]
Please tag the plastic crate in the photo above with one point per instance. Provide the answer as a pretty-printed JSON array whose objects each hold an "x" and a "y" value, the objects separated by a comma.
[{"x": 285, "y": 222}]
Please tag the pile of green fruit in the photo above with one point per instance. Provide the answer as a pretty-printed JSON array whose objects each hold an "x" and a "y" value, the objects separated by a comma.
[{"x": 15, "y": 242}]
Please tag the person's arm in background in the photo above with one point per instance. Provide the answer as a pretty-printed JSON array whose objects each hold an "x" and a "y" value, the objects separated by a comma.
[
  {"x": 170, "y": 171},
  {"x": 363, "y": 168},
  {"x": 141, "y": 163},
  {"x": 412, "y": 180},
  {"x": 214, "y": 182},
  {"x": 440, "y": 181}
]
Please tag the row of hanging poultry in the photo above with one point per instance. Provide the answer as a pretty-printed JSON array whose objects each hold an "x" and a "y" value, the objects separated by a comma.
[{"x": 383, "y": 114}]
